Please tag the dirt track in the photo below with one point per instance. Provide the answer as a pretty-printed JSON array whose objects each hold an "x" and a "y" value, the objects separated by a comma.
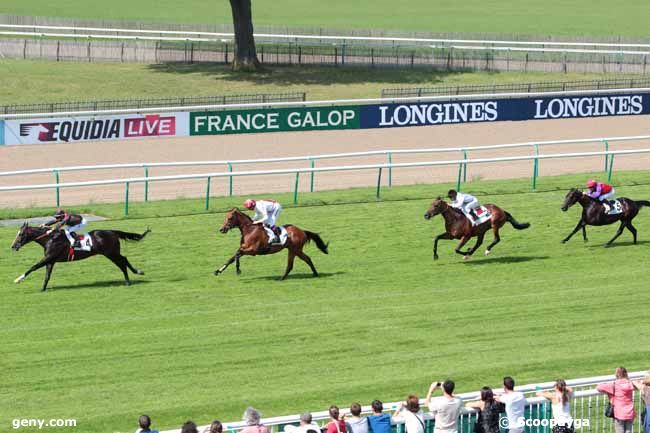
[{"x": 313, "y": 143}]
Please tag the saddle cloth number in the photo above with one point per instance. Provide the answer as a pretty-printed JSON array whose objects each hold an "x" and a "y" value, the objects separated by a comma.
[
  {"x": 85, "y": 243},
  {"x": 271, "y": 235},
  {"x": 616, "y": 208},
  {"x": 482, "y": 215}
]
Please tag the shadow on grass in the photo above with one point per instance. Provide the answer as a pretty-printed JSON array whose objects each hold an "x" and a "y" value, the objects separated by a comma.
[
  {"x": 305, "y": 276},
  {"x": 306, "y": 75},
  {"x": 618, "y": 244},
  {"x": 505, "y": 260},
  {"x": 96, "y": 284}
]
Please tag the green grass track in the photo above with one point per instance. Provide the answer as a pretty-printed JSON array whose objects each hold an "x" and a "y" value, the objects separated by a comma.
[{"x": 382, "y": 321}]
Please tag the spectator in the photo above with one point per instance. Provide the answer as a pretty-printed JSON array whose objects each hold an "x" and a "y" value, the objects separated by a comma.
[
  {"x": 515, "y": 405},
  {"x": 253, "y": 425},
  {"x": 215, "y": 427},
  {"x": 489, "y": 412},
  {"x": 379, "y": 421},
  {"x": 356, "y": 423},
  {"x": 335, "y": 425},
  {"x": 145, "y": 425},
  {"x": 189, "y": 427},
  {"x": 621, "y": 396},
  {"x": 409, "y": 413},
  {"x": 306, "y": 425},
  {"x": 560, "y": 406},
  {"x": 644, "y": 387},
  {"x": 446, "y": 408}
]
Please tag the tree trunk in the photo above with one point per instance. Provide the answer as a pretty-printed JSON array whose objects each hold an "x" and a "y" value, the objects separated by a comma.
[{"x": 245, "y": 55}]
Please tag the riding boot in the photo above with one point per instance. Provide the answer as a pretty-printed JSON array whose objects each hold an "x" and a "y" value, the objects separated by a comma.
[
  {"x": 470, "y": 217},
  {"x": 276, "y": 232},
  {"x": 76, "y": 243},
  {"x": 607, "y": 206}
]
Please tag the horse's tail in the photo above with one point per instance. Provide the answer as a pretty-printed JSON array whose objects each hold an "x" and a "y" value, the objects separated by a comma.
[
  {"x": 131, "y": 236},
  {"x": 515, "y": 223},
  {"x": 311, "y": 236},
  {"x": 642, "y": 203}
]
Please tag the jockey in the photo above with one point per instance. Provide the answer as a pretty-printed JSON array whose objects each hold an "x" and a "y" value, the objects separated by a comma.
[
  {"x": 601, "y": 192},
  {"x": 465, "y": 202},
  {"x": 73, "y": 222},
  {"x": 266, "y": 212}
]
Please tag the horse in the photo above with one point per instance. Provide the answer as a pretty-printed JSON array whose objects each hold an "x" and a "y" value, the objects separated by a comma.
[
  {"x": 458, "y": 226},
  {"x": 254, "y": 241},
  {"x": 57, "y": 248},
  {"x": 593, "y": 214}
]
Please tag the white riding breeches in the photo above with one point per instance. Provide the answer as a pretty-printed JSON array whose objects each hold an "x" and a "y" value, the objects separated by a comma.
[
  {"x": 467, "y": 207},
  {"x": 608, "y": 196},
  {"x": 272, "y": 216}
]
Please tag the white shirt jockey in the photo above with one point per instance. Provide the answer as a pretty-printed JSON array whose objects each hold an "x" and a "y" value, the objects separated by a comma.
[
  {"x": 465, "y": 202},
  {"x": 267, "y": 211}
]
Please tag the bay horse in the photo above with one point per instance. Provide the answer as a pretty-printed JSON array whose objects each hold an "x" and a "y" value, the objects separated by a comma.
[
  {"x": 254, "y": 241},
  {"x": 593, "y": 214},
  {"x": 457, "y": 226},
  {"x": 57, "y": 248}
]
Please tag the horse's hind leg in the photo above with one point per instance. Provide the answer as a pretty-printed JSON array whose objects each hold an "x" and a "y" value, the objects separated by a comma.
[
  {"x": 290, "y": 259},
  {"x": 584, "y": 232},
  {"x": 48, "y": 272},
  {"x": 120, "y": 262},
  {"x": 462, "y": 243},
  {"x": 305, "y": 258},
  {"x": 237, "y": 267},
  {"x": 632, "y": 229},
  {"x": 133, "y": 269},
  {"x": 496, "y": 240},
  {"x": 479, "y": 241},
  {"x": 618, "y": 233}
]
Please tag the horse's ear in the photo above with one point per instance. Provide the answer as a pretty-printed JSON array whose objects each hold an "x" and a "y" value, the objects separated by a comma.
[{"x": 439, "y": 198}]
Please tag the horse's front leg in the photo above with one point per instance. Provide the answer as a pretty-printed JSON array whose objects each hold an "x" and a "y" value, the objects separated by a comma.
[
  {"x": 462, "y": 243},
  {"x": 580, "y": 225},
  {"x": 229, "y": 262},
  {"x": 435, "y": 243},
  {"x": 48, "y": 273},
  {"x": 44, "y": 261},
  {"x": 237, "y": 267}
]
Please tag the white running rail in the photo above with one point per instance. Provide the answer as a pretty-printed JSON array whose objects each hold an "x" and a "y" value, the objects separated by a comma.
[{"x": 587, "y": 404}]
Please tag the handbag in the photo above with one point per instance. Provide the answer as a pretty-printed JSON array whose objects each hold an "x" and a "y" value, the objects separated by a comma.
[{"x": 609, "y": 410}]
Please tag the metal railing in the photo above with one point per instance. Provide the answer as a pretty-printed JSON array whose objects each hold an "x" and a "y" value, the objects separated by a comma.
[
  {"x": 587, "y": 404},
  {"x": 312, "y": 170},
  {"x": 181, "y": 101},
  {"x": 543, "y": 86}
]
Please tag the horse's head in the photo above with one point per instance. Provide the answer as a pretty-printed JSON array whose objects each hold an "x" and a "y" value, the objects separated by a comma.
[
  {"x": 437, "y": 207},
  {"x": 231, "y": 221},
  {"x": 571, "y": 198},
  {"x": 22, "y": 237}
]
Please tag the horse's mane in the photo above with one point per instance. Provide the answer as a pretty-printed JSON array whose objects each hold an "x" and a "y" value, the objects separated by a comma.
[{"x": 244, "y": 215}]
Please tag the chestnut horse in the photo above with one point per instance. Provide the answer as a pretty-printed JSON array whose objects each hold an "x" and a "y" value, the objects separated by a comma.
[
  {"x": 254, "y": 241},
  {"x": 593, "y": 213},
  {"x": 457, "y": 226}
]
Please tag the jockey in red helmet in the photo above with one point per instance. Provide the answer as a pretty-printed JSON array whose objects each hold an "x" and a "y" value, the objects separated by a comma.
[
  {"x": 71, "y": 224},
  {"x": 601, "y": 192},
  {"x": 266, "y": 212}
]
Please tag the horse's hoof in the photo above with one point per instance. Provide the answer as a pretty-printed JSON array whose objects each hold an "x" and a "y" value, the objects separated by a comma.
[
  {"x": 128, "y": 283},
  {"x": 563, "y": 241},
  {"x": 316, "y": 275},
  {"x": 466, "y": 257},
  {"x": 216, "y": 273},
  {"x": 435, "y": 257},
  {"x": 19, "y": 279},
  {"x": 488, "y": 252},
  {"x": 238, "y": 272},
  {"x": 139, "y": 272}
]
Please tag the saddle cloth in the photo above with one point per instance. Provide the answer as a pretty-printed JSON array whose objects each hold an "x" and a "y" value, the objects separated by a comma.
[
  {"x": 85, "y": 241},
  {"x": 615, "y": 207},
  {"x": 482, "y": 215},
  {"x": 283, "y": 235}
]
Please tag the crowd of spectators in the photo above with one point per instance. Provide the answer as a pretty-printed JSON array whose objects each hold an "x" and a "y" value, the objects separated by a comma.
[{"x": 446, "y": 409}]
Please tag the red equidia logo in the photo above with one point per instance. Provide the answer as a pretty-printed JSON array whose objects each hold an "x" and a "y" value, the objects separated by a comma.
[{"x": 150, "y": 126}]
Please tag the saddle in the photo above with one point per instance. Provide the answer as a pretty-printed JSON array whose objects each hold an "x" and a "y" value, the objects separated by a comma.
[
  {"x": 283, "y": 235},
  {"x": 615, "y": 207}
]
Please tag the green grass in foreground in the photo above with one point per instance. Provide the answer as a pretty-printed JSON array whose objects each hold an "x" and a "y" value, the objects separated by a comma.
[
  {"x": 44, "y": 81},
  {"x": 578, "y": 17},
  {"x": 381, "y": 321}
]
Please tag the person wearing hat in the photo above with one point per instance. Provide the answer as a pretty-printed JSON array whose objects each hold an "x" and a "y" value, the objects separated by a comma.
[
  {"x": 71, "y": 224},
  {"x": 266, "y": 212},
  {"x": 465, "y": 202},
  {"x": 600, "y": 191}
]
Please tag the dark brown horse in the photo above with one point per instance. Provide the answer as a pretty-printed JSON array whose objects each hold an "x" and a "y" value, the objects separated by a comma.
[
  {"x": 57, "y": 249},
  {"x": 254, "y": 241},
  {"x": 457, "y": 226},
  {"x": 593, "y": 214}
]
